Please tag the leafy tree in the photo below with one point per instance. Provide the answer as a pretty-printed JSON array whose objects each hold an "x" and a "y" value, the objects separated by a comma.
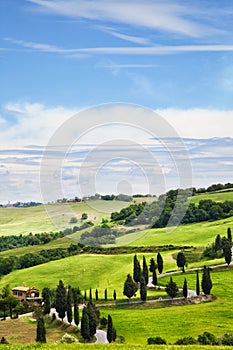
[
  {"x": 206, "y": 282},
  {"x": 40, "y": 331},
  {"x": 73, "y": 220},
  {"x": 84, "y": 216},
  {"x": 156, "y": 340},
  {"x": 130, "y": 287},
  {"x": 181, "y": 260},
  {"x": 110, "y": 330},
  {"x": 136, "y": 269},
  {"x": 143, "y": 291},
  {"x": 229, "y": 235},
  {"x": 160, "y": 262},
  {"x": 145, "y": 270},
  {"x": 227, "y": 252},
  {"x": 96, "y": 295},
  {"x": 114, "y": 294},
  {"x": 154, "y": 278},
  {"x": 171, "y": 288},
  {"x": 207, "y": 339},
  {"x": 69, "y": 305},
  {"x": 85, "y": 328},
  {"x": 227, "y": 339},
  {"x": 197, "y": 284},
  {"x": 46, "y": 295},
  {"x": 185, "y": 289},
  {"x": 61, "y": 300},
  {"x": 153, "y": 265}
]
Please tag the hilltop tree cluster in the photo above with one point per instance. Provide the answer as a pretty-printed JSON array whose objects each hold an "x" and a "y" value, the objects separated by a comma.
[{"x": 222, "y": 247}]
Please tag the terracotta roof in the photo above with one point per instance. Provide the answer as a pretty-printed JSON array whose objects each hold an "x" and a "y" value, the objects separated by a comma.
[{"x": 24, "y": 288}]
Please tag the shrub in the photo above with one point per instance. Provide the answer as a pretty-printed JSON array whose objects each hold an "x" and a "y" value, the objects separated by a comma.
[
  {"x": 156, "y": 340},
  {"x": 227, "y": 339},
  {"x": 68, "y": 339},
  {"x": 186, "y": 341},
  {"x": 207, "y": 339}
]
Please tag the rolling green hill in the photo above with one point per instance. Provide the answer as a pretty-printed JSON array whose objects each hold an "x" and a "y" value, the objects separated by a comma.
[{"x": 218, "y": 196}]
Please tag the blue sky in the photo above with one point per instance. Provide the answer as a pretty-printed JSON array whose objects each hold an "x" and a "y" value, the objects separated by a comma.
[{"x": 58, "y": 57}]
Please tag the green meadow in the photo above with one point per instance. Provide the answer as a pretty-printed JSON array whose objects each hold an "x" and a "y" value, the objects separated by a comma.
[{"x": 218, "y": 196}]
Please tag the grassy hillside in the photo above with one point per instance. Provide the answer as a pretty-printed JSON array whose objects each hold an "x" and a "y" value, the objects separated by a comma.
[
  {"x": 175, "y": 322},
  {"x": 198, "y": 234},
  {"x": 218, "y": 196},
  {"x": 38, "y": 219}
]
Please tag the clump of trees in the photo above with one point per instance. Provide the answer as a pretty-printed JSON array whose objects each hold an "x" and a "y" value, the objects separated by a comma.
[{"x": 221, "y": 247}]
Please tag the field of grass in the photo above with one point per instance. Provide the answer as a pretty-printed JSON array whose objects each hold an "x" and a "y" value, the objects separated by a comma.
[
  {"x": 53, "y": 217},
  {"x": 174, "y": 322},
  {"x": 198, "y": 234},
  {"x": 218, "y": 196},
  {"x": 85, "y": 271},
  {"x": 110, "y": 346}
]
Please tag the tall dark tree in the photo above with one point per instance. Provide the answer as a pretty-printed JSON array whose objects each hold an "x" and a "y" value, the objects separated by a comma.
[
  {"x": 61, "y": 300},
  {"x": 197, "y": 284},
  {"x": 96, "y": 295},
  {"x": 130, "y": 287},
  {"x": 110, "y": 330},
  {"x": 85, "y": 328},
  {"x": 171, "y": 288},
  {"x": 76, "y": 308},
  {"x": 185, "y": 289},
  {"x": 227, "y": 252},
  {"x": 93, "y": 319},
  {"x": 143, "y": 290},
  {"x": 90, "y": 295},
  {"x": 181, "y": 260},
  {"x": 145, "y": 270},
  {"x": 229, "y": 235},
  {"x": 160, "y": 262},
  {"x": 105, "y": 294},
  {"x": 46, "y": 295},
  {"x": 154, "y": 278},
  {"x": 217, "y": 243},
  {"x": 114, "y": 294},
  {"x": 206, "y": 282},
  {"x": 153, "y": 265},
  {"x": 85, "y": 295},
  {"x": 69, "y": 305},
  {"x": 136, "y": 269},
  {"x": 40, "y": 331}
]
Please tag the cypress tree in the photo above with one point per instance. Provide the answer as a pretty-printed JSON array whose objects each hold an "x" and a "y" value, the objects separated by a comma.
[
  {"x": 145, "y": 270},
  {"x": 93, "y": 320},
  {"x": 76, "y": 308},
  {"x": 114, "y": 334},
  {"x": 185, "y": 289},
  {"x": 61, "y": 300},
  {"x": 229, "y": 236},
  {"x": 110, "y": 334},
  {"x": 96, "y": 295},
  {"x": 218, "y": 243},
  {"x": 206, "y": 282},
  {"x": 130, "y": 287},
  {"x": 180, "y": 260},
  {"x": 154, "y": 278},
  {"x": 160, "y": 262},
  {"x": 143, "y": 290},
  {"x": 69, "y": 305},
  {"x": 153, "y": 265},
  {"x": 105, "y": 294},
  {"x": 227, "y": 252},
  {"x": 46, "y": 295},
  {"x": 90, "y": 295},
  {"x": 85, "y": 329},
  {"x": 136, "y": 269},
  {"x": 197, "y": 284},
  {"x": 40, "y": 331},
  {"x": 171, "y": 288},
  {"x": 114, "y": 295},
  {"x": 85, "y": 295}
]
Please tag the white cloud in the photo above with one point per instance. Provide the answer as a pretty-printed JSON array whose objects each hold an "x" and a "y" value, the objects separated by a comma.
[
  {"x": 160, "y": 15},
  {"x": 200, "y": 123}
]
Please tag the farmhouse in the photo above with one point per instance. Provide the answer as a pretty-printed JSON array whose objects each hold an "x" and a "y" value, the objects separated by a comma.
[{"x": 23, "y": 293}]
